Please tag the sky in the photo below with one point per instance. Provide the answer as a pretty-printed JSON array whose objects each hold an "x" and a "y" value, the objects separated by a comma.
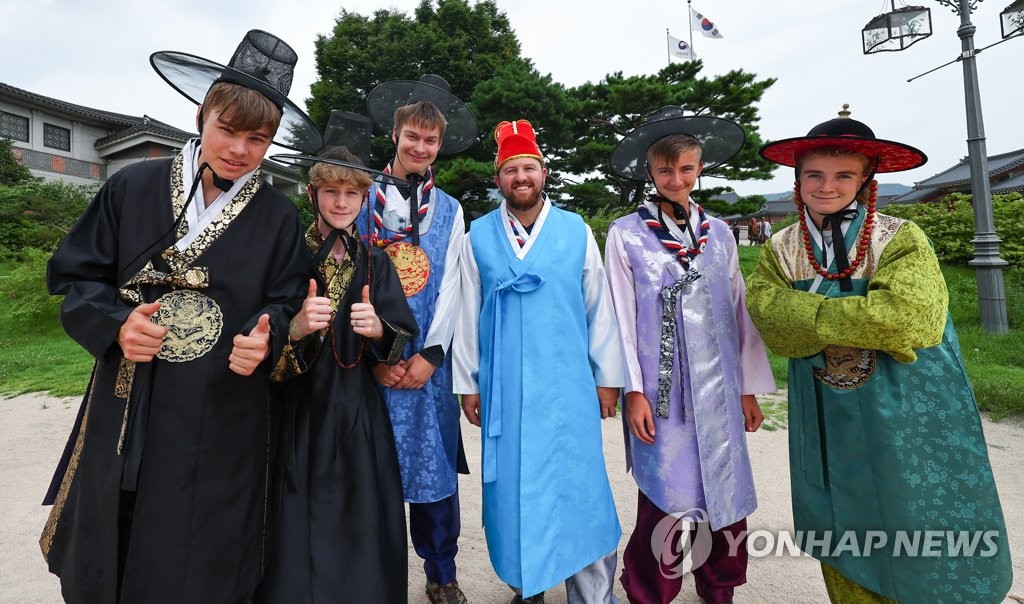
[{"x": 96, "y": 53}]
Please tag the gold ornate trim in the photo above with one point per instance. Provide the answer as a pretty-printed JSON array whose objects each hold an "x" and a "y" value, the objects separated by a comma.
[
  {"x": 792, "y": 255},
  {"x": 50, "y": 528},
  {"x": 846, "y": 368},
  {"x": 182, "y": 273},
  {"x": 125, "y": 378}
]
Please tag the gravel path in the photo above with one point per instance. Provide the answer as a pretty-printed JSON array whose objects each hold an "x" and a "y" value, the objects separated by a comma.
[{"x": 35, "y": 427}]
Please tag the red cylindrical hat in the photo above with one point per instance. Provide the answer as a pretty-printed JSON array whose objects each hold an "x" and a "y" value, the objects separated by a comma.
[{"x": 516, "y": 139}]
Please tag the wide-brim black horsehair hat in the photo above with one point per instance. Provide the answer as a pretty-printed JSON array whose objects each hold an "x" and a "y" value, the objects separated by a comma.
[
  {"x": 720, "y": 139},
  {"x": 460, "y": 129},
  {"x": 351, "y": 131},
  {"x": 262, "y": 62}
]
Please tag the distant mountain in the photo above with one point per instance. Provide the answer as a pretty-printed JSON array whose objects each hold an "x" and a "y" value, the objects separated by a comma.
[{"x": 890, "y": 189}]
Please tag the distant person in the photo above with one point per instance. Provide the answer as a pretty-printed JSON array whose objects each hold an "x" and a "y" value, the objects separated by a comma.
[
  {"x": 735, "y": 228},
  {"x": 764, "y": 231},
  {"x": 885, "y": 441},
  {"x": 180, "y": 279},
  {"x": 422, "y": 228},
  {"x": 694, "y": 361},
  {"x": 337, "y": 513},
  {"x": 538, "y": 362}
]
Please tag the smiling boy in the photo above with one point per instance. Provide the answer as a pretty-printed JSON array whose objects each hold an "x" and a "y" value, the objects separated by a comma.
[
  {"x": 180, "y": 279},
  {"x": 694, "y": 361},
  {"x": 422, "y": 228},
  {"x": 338, "y": 519},
  {"x": 885, "y": 439}
]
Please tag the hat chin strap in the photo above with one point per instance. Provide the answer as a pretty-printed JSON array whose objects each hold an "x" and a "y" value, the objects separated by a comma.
[
  {"x": 679, "y": 211},
  {"x": 221, "y": 183},
  {"x": 181, "y": 215}
]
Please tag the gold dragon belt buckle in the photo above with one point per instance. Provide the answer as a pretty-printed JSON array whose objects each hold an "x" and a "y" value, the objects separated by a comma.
[
  {"x": 193, "y": 323},
  {"x": 412, "y": 265},
  {"x": 846, "y": 367}
]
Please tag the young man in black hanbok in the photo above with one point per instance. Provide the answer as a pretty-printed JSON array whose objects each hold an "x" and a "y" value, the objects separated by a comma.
[
  {"x": 338, "y": 518},
  {"x": 180, "y": 278}
]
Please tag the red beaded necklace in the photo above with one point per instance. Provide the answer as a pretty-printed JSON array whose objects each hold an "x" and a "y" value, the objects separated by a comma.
[{"x": 862, "y": 245}]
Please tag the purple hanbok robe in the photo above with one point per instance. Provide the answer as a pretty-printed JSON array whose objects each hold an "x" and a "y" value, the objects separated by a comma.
[{"x": 699, "y": 458}]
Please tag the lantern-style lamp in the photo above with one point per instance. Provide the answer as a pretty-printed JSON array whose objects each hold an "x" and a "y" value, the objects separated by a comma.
[
  {"x": 1011, "y": 20},
  {"x": 898, "y": 29}
]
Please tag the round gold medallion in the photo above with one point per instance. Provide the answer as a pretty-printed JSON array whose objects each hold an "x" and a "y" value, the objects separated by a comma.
[
  {"x": 193, "y": 323},
  {"x": 846, "y": 367},
  {"x": 412, "y": 265}
]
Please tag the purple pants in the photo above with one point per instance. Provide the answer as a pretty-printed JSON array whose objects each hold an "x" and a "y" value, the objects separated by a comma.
[{"x": 647, "y": 580}]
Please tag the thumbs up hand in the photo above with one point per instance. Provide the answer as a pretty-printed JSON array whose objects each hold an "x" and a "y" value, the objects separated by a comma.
[
  {"x": 365, "y": 321},
  {"x": 139, "y": 337},
  {"x": 249, "y": 351},
  {"x": 314, "y": 315}
]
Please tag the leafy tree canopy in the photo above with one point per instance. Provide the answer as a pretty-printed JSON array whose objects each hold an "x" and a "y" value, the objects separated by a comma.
[
  {"x": 475, "y": 49},
  {"x": 611, "y": 108}
]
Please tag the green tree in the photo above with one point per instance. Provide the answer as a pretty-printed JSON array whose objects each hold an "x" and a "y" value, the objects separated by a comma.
[
  {"x": 465, "y": 44},
  {"x": 12, "y": 172},
  {"x": 475, "y": 49},
  {"x": 949, "y": 223},
  {"x": 612, "y": 107}
]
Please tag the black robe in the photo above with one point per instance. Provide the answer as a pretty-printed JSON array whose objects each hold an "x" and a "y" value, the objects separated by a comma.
[
  {"x": 338, "y": 519},
  {"x": 197, "y": 533}
]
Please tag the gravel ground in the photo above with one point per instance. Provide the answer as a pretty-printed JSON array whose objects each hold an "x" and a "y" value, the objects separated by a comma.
[{"x": 35, "y": 427}]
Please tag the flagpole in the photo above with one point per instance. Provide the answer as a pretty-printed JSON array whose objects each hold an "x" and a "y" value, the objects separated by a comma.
[
  {"x": 689, "y": 19},
  {"x": 668, "y": 47}
]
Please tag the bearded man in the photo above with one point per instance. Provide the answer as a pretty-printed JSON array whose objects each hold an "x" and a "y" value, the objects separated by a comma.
[{"x": 539, "y": 364}]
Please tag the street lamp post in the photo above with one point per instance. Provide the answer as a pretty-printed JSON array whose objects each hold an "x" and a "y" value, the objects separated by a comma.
[{"x": 987, "y": 262}]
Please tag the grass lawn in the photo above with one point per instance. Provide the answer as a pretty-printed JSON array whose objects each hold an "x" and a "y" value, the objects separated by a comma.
[
  {"x": 36, "y": 355},
  {"x": 993, "y": 362}
]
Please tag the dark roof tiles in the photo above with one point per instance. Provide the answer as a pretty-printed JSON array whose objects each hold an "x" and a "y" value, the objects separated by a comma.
[{"x": 106, "y": 117}]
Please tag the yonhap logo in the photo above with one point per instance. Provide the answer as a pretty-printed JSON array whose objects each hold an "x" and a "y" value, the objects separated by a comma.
[{"x": 682, "y": 542}]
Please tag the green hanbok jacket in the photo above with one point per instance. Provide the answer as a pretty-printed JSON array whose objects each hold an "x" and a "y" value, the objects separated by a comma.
[{"x": 891, "y": 480}]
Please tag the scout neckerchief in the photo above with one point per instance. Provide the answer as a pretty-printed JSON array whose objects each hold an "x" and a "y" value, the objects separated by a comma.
[
  {"x": 658, "y": 226},
  {"x": 669, "y": 294},
  {"x": 419, "y": 203},
  {"x": 520, "y": 232}
]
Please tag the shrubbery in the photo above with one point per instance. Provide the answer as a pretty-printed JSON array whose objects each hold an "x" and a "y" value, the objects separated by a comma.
[
  {"x": 38, "y": 214},
  {"x": 23, "y": 290},
  {"x": 600, "y": 220},
  {"x": 950, "y": 225}
]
